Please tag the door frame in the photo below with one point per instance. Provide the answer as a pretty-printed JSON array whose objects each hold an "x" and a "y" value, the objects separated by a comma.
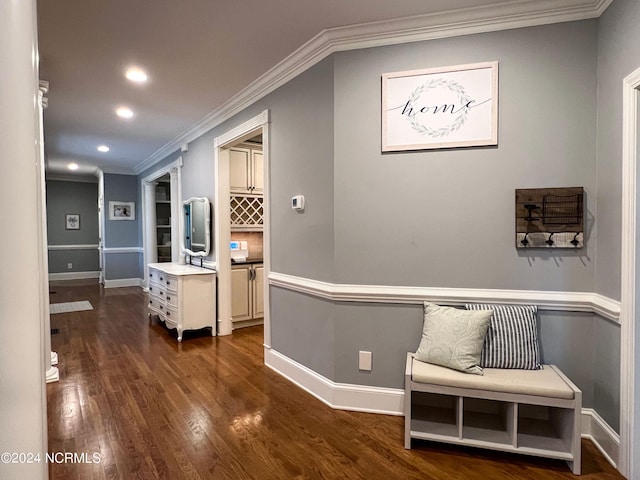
[
  {"x": 101, "y": 225},
  {"x": 627, "y": 464},
  {"x": 222, "y": 221},
  {"x": 149, "y": 223}
]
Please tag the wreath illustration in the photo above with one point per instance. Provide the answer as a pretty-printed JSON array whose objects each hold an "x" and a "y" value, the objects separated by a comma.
[{"x": 460, "y": 119}]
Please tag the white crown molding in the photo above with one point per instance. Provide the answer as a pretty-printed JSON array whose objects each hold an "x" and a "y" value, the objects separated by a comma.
[
  {"x": 390, "y": 401},
  {"x": 545, "y": 300},
  {"x": 72, "y": 247},
  {"x": 489, "y": 18}
]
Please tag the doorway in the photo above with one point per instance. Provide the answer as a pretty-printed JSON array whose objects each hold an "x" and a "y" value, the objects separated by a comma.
[{"x": 223, "y": 149}]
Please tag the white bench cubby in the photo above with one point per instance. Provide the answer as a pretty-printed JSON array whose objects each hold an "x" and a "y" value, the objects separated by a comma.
[{"x": 526, "y": 422}]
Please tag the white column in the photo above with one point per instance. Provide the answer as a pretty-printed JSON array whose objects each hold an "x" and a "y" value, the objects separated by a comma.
[{"x": 22, "y": 343}]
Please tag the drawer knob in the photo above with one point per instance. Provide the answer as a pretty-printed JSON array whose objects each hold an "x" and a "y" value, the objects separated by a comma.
[{"x": 168, "y": 298}]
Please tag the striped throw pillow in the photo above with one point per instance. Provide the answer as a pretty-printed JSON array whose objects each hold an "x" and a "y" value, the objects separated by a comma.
[{"x": 512, "y": 337}]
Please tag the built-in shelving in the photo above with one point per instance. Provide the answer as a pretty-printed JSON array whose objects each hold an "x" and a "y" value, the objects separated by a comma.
[{"x": 163, "y": 218}]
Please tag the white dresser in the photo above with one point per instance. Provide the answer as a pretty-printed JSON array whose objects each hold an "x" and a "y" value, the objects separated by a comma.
[{"x": 183, "y": 296}]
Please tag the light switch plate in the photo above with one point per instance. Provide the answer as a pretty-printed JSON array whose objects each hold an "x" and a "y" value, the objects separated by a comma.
[{"x": 364, "y": 361}]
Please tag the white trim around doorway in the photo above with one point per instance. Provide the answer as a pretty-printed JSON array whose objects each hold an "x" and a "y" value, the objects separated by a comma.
[
  {"x": 259, "y": 123},
  {"x": 631, "y": 98}
]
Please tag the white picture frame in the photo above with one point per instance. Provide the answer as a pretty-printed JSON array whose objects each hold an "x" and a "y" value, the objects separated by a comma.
[
  {"x": 122, "y": 210},
  {"x": 444, "y": 107},
  {"x": 72, "y": 221}
]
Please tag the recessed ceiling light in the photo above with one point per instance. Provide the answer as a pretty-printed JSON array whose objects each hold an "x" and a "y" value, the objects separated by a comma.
[
  {"x": 103, "y": 148},
  {"x": 136, "y": 75},
  {"x": 124, "y": 112},
  {"x": 72, "y": 166}
]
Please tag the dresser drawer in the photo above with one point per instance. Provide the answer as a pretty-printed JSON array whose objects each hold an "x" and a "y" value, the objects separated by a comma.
[
  {"x": 171, "y": 283},
  {"x": 155, "y": 289},
  {"x": 156, "y": 304},
  {"x": 171, "y": 315},
  {"x": 171, "y": 299},
  {"x": 154, "y": 276}
]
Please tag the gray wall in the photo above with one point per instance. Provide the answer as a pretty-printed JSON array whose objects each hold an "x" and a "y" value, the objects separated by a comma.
[
  {"x": 72, "y": 197},
  {"x": 301, "y": 163},
  {"x": 122, "y": 233},
  {"x": 429, "y": 218},
  {"x": 445, "y": 218},
  {"x": 618, "y": 56}
]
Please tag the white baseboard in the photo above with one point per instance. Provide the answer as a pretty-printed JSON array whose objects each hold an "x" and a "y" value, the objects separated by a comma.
[
  {"x": 124, "y": 282},
  {"x": 340, "y": 396},
  {"x": 73, "y": 275},
  {"x": 390, "y": 401},
  {"x": 53, "y": 375},
  {"x": 601, "y": 434}
]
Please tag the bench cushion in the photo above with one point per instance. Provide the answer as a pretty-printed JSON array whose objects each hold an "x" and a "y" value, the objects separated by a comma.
[{"x": 544, "y": 382}]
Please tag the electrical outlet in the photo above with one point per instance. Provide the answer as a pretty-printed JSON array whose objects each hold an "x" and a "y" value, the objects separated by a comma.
[
  {"x": 69, "y": 266},
  {"x": 364, "y": 361}
]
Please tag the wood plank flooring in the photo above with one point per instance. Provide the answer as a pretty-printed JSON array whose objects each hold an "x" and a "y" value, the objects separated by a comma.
[{"x": 209, "y": 409}]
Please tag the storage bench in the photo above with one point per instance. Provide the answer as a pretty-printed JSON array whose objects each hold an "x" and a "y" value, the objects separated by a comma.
[{"x": 532, "y": 412}]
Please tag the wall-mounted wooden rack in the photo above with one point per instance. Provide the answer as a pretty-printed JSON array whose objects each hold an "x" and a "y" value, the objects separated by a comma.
[{"x": 550, "y": 217}]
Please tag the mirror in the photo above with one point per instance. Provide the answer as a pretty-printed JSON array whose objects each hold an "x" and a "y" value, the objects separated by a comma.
[{"x": 197, "y": 226}]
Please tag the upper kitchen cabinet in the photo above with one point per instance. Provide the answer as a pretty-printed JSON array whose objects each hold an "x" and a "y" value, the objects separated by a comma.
[{"x": 246, "y": 169}]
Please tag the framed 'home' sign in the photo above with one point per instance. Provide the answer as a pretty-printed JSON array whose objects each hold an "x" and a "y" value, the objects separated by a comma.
[{"x": 442, "y": 107}]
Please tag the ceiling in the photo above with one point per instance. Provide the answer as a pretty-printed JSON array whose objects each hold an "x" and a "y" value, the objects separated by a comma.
[{"x": 198, "y": 54}]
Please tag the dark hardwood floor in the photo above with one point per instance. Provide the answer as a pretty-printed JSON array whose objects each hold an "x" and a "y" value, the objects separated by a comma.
[{"x": 209, "y": 409}]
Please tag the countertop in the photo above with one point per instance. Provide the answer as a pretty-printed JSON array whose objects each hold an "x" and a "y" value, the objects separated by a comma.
[
  {"x": 248, "y": 261},
  {"x": 180, "y": 269}
]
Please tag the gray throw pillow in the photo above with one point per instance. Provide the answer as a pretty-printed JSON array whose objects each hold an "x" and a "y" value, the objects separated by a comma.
[
  {"x": 453, "y": 338},
  {"x": 512, "y": 338}
]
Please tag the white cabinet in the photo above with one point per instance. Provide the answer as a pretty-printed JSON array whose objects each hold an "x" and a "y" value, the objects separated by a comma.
[
  {"x": 246, "y": 169},
  {"x": 247, "y": 288},
  {"x": 183, "y": 296},
  {"x": 246, "y": 187}
]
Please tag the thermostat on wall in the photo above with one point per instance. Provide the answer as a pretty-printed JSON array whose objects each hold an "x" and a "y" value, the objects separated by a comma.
[{"x": 297, "y": 202}]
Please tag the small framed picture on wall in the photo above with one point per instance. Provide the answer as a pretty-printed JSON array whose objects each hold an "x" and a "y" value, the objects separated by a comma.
[
  {"x": 72, "y": 221},
  {"x": 122, "y": 210}
]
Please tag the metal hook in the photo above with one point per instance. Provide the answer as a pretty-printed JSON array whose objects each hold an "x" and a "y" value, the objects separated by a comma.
[
  {"x": 549, "y": 241},
  {"x": 575, "y": 241}
]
